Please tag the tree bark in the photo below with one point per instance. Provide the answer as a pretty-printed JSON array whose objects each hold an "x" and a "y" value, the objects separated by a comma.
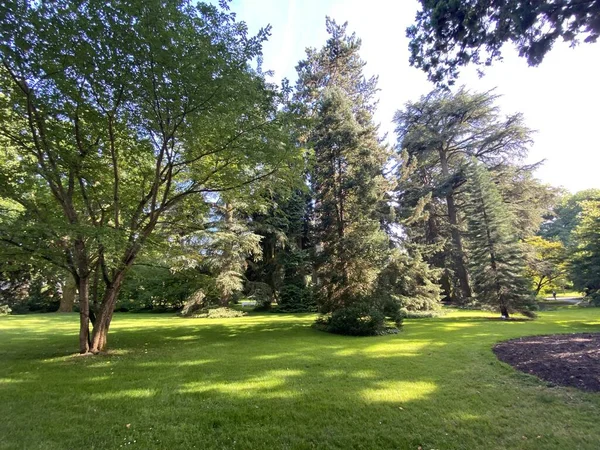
[
  {"x": 504, "y": 311},
  {"x": 464, "y": 285},
  {"x": 105, "y": 314},
  {"x": 84, "y": 315},
  {"x": 69, "y": 290},
  {"x": 462, "y": 274}
]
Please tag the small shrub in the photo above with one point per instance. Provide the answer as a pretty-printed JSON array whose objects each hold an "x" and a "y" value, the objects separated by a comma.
[
  {"x": 294, "y": 299},
  {"x": 359, "y": 319},
  {"x": 5, "y": 310},
  {"x": 219, "y": 313}
]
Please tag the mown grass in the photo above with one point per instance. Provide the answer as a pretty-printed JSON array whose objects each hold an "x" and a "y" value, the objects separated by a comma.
[{"x": 272, "y": 381}]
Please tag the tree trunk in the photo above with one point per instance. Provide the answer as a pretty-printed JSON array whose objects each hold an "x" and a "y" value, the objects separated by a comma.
[
  {"x": 69, "y": 291},
  {"x": 458, "y": 254},
  {"x": 464, "y": 284},
  {"x": 84, "y": 315},
  {"x": 504, "y": 311},
  {"x": 105, "y": 313}
]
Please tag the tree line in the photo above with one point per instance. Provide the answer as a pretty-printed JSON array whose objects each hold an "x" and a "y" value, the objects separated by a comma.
[{"x": 147, "y": 162}]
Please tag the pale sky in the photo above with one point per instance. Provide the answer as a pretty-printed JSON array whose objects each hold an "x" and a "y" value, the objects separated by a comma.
[{"x": 559, "y": 99}]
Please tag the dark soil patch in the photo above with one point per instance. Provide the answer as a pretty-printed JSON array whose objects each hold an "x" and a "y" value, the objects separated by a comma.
[{"x": 563, "y": 359}]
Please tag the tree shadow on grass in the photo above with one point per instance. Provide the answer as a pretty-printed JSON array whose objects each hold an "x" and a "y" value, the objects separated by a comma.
[{"x": 268, "y": 383}]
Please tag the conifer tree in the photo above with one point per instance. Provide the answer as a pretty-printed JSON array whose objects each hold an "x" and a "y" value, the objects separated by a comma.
[
  {"x": 496, "y": 259},
  {"x": 347, "y": 178}
]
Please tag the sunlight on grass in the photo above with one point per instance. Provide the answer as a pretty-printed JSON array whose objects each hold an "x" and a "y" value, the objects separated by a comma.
[
  {"x": 268, "y": 386},
  {"x": 124, "y": 394},
  {"x": 399, "y": 391},
  {"x": 273, "y": 381}
]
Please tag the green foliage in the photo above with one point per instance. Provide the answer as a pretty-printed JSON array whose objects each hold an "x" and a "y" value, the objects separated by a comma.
[
  {"x": 546, "y": 264},
  {"x": 566, "y": 215},
  {"x": 156, "y": 288},
  {"x": 437, "y": 136},
  {"x": 474, "y": 31},
  {"x": 108, "y": 135},
  {"x": 426, "y": 314},
  {"x": 347, "y": 175},
  {"x": 361, "y": 318},
  {"x": 5, "y": 310},
  {"x": 585, "y": 259},
  {"x": 497, "y": 262},
  {"x": 296, "y": 298},
  {"x": 409, "y": 281}
]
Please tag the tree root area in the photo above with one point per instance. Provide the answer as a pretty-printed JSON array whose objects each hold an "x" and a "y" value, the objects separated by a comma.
[{"x": 560, "y": 359}]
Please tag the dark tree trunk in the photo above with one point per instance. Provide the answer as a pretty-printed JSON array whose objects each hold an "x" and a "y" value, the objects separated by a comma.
[
  {"x": 458, "y": 254},
  {"x": 504, "y": 311},
  {"x": 84, "y": 315},
  {"x": 69, "y": 291},
  {"x": 105, "y": 314}
]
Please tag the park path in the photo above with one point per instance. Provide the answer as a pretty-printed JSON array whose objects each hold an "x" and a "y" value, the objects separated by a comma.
[{"x": 572, "y": 300}]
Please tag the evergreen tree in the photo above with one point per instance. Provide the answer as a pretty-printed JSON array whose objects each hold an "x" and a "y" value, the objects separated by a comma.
[
  {"x": 438, "y": 134},
  {"x": 347, "y": 176},
  {"x": 348, "y": 186},
  {"x": 497, "y": 262},
  {"x": 585, "y": 263}
]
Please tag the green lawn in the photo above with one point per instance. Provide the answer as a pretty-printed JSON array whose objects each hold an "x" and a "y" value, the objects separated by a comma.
[{"x": 272, "y": 381}]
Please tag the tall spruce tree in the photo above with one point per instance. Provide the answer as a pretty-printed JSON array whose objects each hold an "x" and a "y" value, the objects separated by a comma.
[
  {"x": 347, "y": 177},
  {"x": 497, "y": 262}
]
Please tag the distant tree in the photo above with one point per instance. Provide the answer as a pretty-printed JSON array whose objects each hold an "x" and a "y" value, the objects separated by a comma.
[
  {"x": 566, "y": 216},
  {"x": 496, "y": 258},
  {"x": 439, "y": 133},
  {"x": 528, "y": 199},
  {"x": 450, "y": 34},
  {"x": 546, "y": 263},
  {"x": 115, "y": 125},
  {"x": 585, "y": 260}
]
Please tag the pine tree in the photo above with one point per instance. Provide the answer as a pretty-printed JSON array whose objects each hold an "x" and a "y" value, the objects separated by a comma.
[
  {"x": 348, "y": 184},
  {"x": 347, "y": 178},
  {"x": 496, "y": 259}
]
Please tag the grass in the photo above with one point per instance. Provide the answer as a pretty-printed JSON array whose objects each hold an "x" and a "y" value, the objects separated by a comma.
[{"x": 272, "y": 381}]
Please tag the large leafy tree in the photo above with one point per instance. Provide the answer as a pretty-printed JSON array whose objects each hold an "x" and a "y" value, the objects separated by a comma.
[
  {"x": 117, "y": 112},
  {"x": 546, "y": 263},
  {"x": 449, "y": 34},
  {"x": 438, "y": 135},
  {"x": 497, "y": 262}
]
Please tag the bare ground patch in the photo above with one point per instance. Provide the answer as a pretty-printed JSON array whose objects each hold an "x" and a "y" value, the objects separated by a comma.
[{"x": 562, "y": 359}]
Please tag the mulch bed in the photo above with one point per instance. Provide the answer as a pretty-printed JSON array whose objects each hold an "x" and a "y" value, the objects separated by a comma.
[{"x": 561, "y": 359}]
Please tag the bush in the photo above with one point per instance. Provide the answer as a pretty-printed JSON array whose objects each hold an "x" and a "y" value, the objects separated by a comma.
[
  {"x": 5, "y": 310},
  {"x": 294, "y": 299},
  {"x": 219, "y": 313},
  {"x": 358, "y": 319}
]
